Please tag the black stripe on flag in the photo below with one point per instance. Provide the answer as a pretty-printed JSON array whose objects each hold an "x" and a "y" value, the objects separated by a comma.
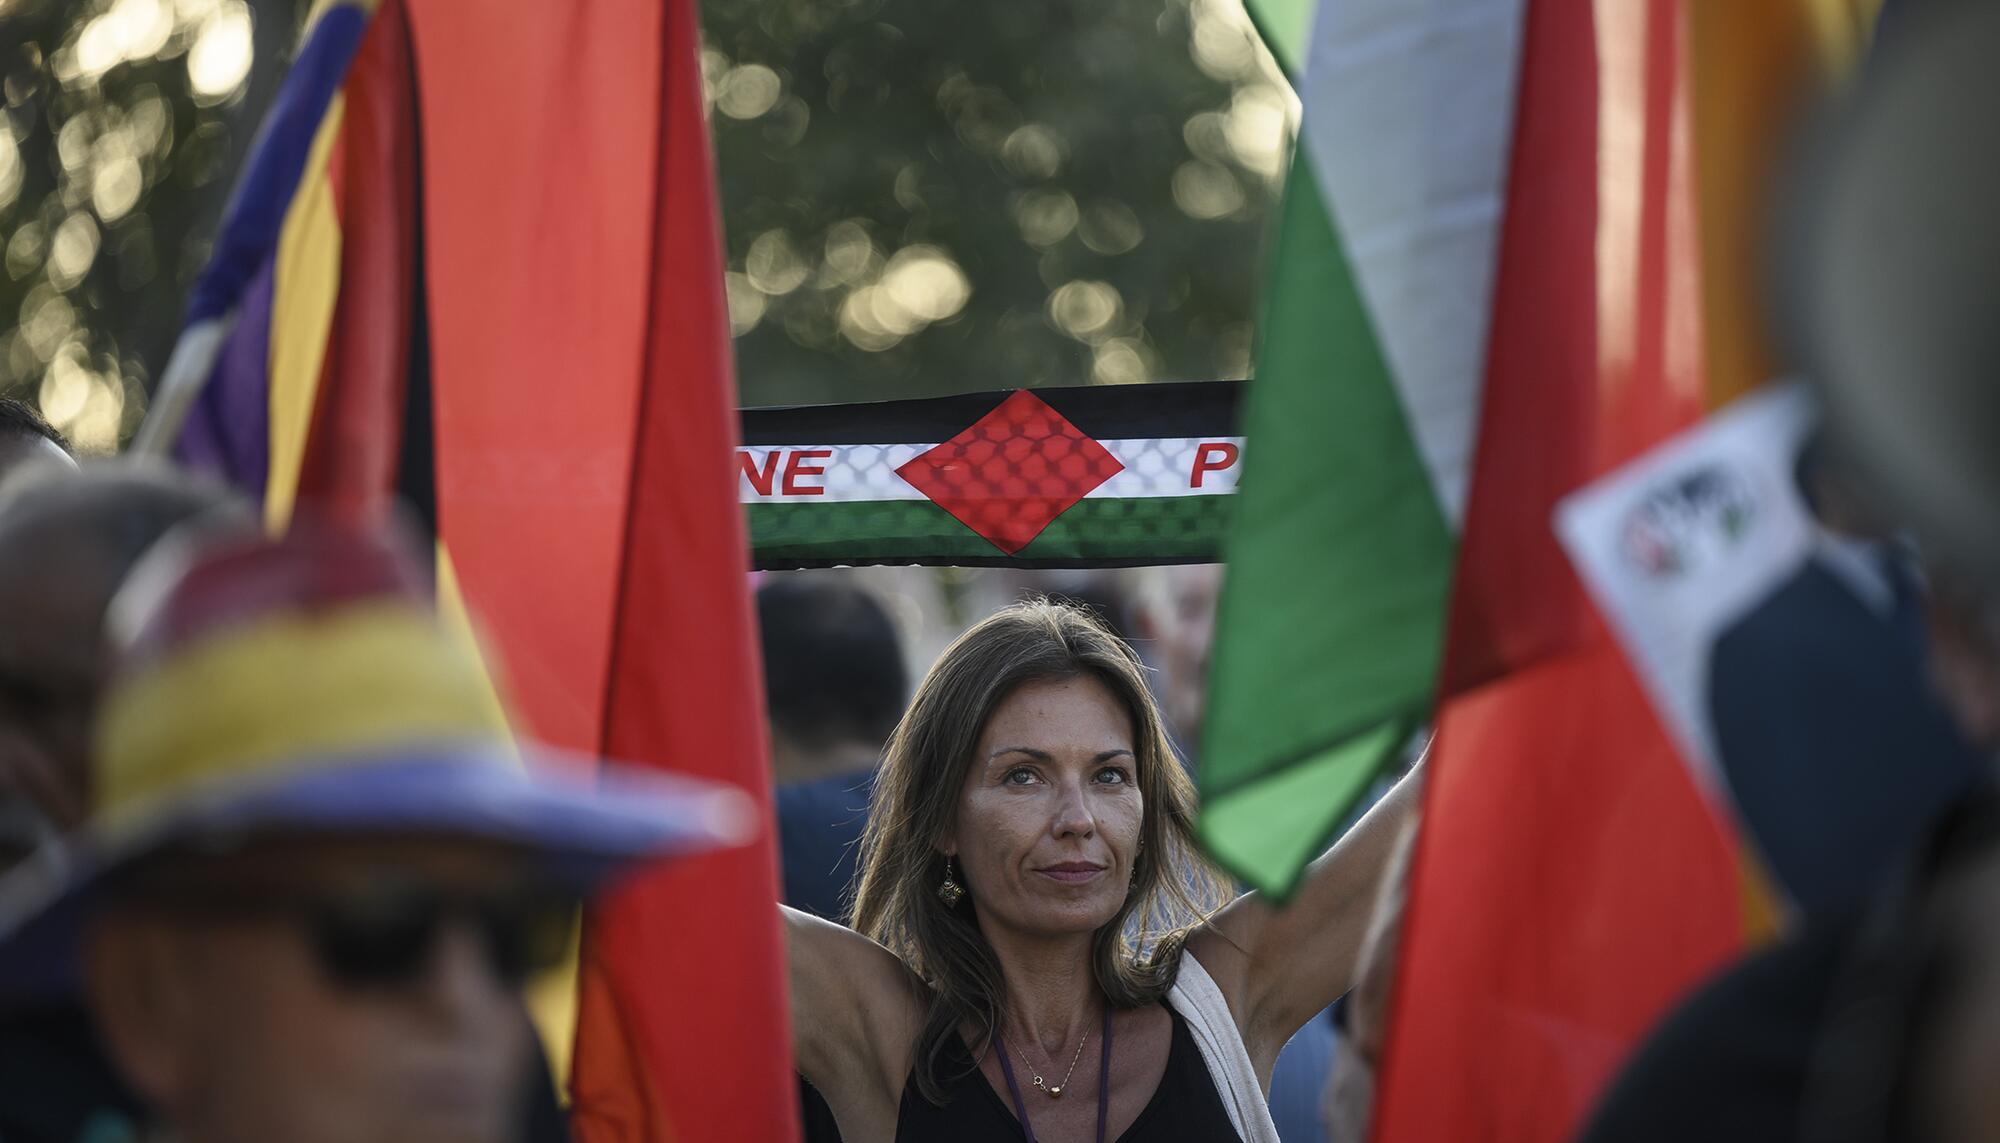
[{"x": 1103, "y": 412}]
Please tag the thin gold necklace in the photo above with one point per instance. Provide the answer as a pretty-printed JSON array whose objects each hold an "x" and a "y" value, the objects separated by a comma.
[{"x": 1035, "y": 1077}]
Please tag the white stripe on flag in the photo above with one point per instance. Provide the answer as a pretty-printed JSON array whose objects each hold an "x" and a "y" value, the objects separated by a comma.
[{"x": 1408, "y": 109}]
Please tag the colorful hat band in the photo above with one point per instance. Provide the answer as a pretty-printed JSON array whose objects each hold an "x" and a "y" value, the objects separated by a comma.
[{"x": 299, "y": 688}]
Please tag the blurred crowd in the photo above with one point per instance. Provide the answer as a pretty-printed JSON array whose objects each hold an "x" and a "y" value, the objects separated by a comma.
[{"x": 270, "y": 868}]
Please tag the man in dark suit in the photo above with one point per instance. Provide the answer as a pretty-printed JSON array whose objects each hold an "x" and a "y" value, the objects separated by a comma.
[{"x": 1836, "y": 747}]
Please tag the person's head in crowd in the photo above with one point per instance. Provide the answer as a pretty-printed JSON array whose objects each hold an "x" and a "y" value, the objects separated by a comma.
[
  {"x": 1831, "y": 492},
  {"x": 834, "y": 679},
  {"x": 67, "y": 540},
  {"x": 1173, "y": 622},
  {"x": 316, "y": 870},
  {"x": 1033, "y": 763},
  {"x": 27, "y": 440},
  {"x": 1888, "y": 273}
]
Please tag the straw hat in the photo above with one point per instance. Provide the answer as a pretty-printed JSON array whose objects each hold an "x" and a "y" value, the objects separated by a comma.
[{"x": 302, "y": 687}]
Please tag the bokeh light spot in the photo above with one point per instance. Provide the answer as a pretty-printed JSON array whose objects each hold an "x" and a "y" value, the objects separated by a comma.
[
  {"x": 1110, "y": 227},
  {"x": 1033, "y": 152},
  {"x": 746, "y": 303},
  {"x": 774, "y": 265},
  {"x": 924, "y": 281},
  {"x": 65, "y": 387},
  {"x": 115, "y": 187},
  {"x": 10, "y": 166},
  {"x": 748, "y": 91},
  {"x": 1206, "y": 190},
  {"x": 1258, "y": 128},
  {"x": 1085, "y": 310},
  {"x": 850, "y": 254},
  {"x": 861, "y": 324},
  {"x": 1045, "y": 217},
  {"x": 220, "y": 59},
  {"x": 47, "y": 319},
  {"x": 73, "y": 250},
  {"x": 1121, "y": 361}
]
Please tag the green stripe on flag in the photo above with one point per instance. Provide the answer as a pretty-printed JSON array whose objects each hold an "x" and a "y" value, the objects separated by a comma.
[
  {"x": 1283, "y": 821},
  {"x": 1339, "y": 563},
  {"x": 1286, "y": 26},
  {"x": 1164, "y": 529}
]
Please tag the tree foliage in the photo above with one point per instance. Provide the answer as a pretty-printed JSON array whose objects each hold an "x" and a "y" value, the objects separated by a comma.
[
  {"x": 919, "y": 197},
  {"x": 926, "y": 197},
  {"x": 124, "y": 121}
]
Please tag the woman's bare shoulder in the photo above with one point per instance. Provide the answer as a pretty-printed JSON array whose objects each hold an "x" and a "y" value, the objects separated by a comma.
[{"x": 856, "y": 1011}]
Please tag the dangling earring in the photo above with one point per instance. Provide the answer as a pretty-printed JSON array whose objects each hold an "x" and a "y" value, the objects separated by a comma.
[{"x": 951, "y": 891}]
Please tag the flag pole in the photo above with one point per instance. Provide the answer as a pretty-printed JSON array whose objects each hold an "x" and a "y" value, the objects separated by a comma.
[{"x": 187, "y": 373}]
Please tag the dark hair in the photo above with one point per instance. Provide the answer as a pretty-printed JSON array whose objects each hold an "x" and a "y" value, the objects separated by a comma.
[
  {"x": 18, "y": 416},
  {"x": 1136, "y": 955},
  {"x": 833, "y": 667}
]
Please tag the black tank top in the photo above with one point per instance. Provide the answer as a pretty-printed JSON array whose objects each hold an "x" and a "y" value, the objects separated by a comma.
[{"x": 1184, "y": 1109}]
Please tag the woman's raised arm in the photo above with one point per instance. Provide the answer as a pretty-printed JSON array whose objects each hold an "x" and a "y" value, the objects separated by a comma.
[
  {"x": 855, "y": 1013},
  {"x": 1278, "y": 967}
]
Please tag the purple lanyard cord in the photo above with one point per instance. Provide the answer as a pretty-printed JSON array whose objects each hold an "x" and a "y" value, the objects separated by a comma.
[{"x": 1103, "y": 1080}]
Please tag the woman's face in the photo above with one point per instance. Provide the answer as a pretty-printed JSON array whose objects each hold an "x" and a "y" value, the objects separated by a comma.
[{"x": 1049, "y": 817}]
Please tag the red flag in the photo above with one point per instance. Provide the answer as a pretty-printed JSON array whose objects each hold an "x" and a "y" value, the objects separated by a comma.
[
  {"x": 693, "y": 953},
  {"x": 585, "y": 423},
  {"x": 1570, "y": 881}
]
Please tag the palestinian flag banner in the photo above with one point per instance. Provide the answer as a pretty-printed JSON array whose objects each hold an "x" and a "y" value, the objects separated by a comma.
[{"x": 1095, "y": 476}]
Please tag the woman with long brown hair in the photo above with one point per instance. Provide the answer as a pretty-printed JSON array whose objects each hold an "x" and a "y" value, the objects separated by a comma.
[{"x": 1039, "y": 952}]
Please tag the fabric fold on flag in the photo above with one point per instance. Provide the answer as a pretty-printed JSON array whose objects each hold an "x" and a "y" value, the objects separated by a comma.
[{"x": 684, "y": 690}]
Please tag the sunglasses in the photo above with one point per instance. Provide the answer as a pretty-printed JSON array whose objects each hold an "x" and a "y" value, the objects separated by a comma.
[{"x": 382, "y": 936}]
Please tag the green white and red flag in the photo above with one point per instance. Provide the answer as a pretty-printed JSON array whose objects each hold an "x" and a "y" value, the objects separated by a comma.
[{"x": 1360, "y": 422}]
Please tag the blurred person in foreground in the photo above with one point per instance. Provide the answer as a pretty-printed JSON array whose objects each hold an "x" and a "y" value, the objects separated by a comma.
[
  {"x": 315, "y": 872},
  {"x": 1839, "y": 751},
  {"x": 834, "y": 685},
  {"x": 1882, "y": 1022},
  {"x": 67, "y": 540},
  {"x": 1034, "y": 919},
  {"x": 27, "y": 440}
]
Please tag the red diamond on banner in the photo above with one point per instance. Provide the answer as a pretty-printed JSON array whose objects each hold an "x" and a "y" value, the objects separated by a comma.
[{"x": 1013, "y": 471}]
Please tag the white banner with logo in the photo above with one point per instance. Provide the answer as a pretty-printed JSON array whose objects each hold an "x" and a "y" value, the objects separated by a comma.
[{"x": 1678, "y": 544}]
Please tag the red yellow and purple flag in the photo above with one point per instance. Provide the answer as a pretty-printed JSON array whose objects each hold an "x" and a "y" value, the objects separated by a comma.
[{"x": 473, "y": 265}]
